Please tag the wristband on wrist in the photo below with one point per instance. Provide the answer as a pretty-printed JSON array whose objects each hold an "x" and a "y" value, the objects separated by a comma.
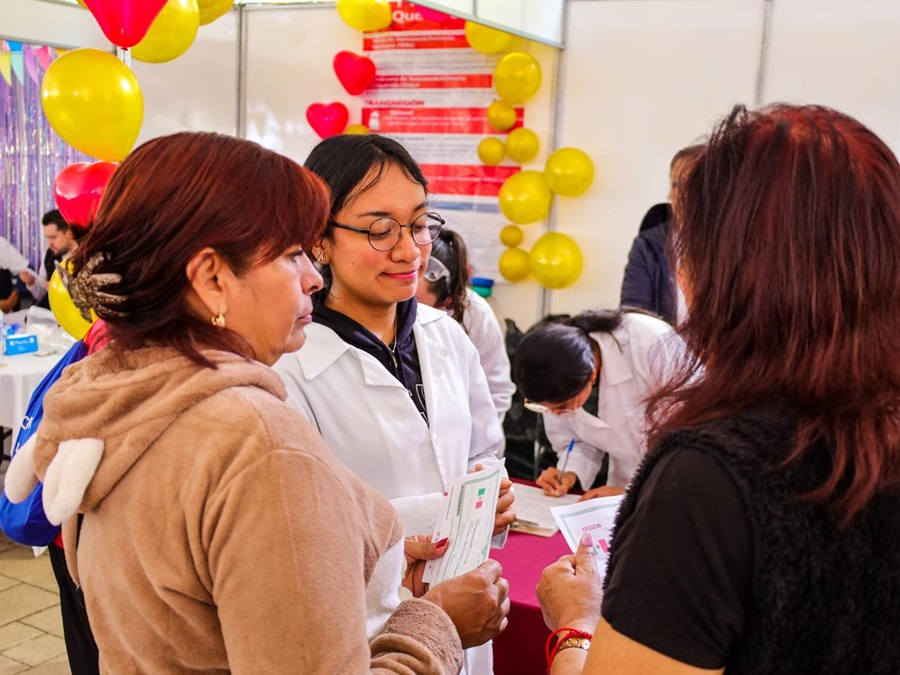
[{"x": 566, "y": 638}]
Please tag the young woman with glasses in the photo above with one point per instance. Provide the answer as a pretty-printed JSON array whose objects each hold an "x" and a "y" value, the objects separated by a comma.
[
  {"x": 445, "y": 285},
  {"x": 556, "y": 367},
  {"x": 395, "y": 388}
]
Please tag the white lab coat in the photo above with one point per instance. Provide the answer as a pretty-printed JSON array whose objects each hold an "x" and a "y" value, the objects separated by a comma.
[
  {"x": 484, "y": 330},
  {"x": 636, "y": 358},
  {"x": 370, "y": 422}
]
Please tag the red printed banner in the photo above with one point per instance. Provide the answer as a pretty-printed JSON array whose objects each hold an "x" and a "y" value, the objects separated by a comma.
[
  {"x": 431, "y": 93},
  {"x": 434, "y": 81},
  {"x": 474, "y": 181},
  {"x": 428, "y": 121},
  {"x": 377, "y": 43}
]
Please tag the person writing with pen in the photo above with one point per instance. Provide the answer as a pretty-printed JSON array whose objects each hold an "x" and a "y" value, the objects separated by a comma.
[{"x": 625, "y": 354}]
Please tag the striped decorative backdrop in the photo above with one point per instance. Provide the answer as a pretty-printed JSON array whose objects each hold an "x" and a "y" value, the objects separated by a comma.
[{"x": 31, "y": 153}]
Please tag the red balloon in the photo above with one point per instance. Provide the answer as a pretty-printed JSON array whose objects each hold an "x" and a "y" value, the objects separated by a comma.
[
  {"x": 355, "y": 72},
  {"x": 327, "y": 120},
  {"x": 125, "y": 22},
  {"x": 78, "y": 189}
]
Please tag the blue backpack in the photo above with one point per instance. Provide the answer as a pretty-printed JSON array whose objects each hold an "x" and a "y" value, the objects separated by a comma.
[{"x": 26, "y": 522}]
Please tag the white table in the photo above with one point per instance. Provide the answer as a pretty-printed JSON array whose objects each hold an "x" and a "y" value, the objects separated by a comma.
[{"x": 19, "y": 376}]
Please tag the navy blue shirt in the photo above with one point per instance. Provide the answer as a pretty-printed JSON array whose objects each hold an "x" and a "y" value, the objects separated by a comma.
[{"x": 400, "y": 357}]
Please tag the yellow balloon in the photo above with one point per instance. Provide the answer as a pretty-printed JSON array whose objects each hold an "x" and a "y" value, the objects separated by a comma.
[
  {"x": 511, "y": 236},
  {"x": 522, "y": 145},
  {"x": 171, "y": 33},
  {"x": 210, "y": 10},
  {"x": 517, "y": 77},
  {"x": 491, "y": 151},
  {"x": 501, "y": 115},
  {"x": 525, "y": 197},
  {"x": 357, "y": 130},
  {"x": 514, "y": 264},
  {"x": 569, "y": 172},
  {"x": 486, "y": 40},
  {"x": 365, "y": 15},
  {"x": 94, "y": 102},
  {"x": 81, "y": 2},
  {"x": 64, "y": 310},
  {"x": 556, "y": 260}
]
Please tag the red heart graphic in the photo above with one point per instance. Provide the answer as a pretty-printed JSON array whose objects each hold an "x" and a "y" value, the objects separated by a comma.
[
  {"x": 355, "y": 72},
  {"x": 78, "y": 189},
  {"x": 327, "y": 120}
]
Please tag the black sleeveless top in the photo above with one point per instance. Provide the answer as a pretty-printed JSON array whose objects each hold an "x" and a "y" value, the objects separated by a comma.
[{"x": 746, "y": 576}]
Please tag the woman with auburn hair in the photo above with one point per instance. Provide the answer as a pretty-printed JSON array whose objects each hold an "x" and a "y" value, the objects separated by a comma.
[
  {"x": 206, "y": 505},
  {"x": 762, "y": 533}
]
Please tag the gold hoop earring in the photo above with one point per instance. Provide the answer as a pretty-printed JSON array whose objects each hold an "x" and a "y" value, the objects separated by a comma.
[{"x": 219, "y": 320}]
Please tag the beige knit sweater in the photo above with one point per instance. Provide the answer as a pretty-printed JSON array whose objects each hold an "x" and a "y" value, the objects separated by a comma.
[{"x": 220, "y": 533}]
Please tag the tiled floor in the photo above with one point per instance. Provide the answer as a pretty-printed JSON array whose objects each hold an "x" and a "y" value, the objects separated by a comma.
[{"x": 30, "y": 624}]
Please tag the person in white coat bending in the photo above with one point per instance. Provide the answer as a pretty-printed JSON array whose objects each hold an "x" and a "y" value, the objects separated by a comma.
[
  {"x": 395, "y": 388},
  {"x": 445, "y": 285},
  {"x": 556, "y": 367}
]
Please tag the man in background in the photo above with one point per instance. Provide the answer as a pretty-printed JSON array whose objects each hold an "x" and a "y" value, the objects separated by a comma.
[
  {"x": 649, "y": 283},
  {"x": 60, "y": 244}
]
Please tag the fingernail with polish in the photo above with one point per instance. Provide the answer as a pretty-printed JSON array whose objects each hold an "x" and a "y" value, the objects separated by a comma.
[
  {"x": 587, "y": 540},
  {"x": 442, "y": 543}
]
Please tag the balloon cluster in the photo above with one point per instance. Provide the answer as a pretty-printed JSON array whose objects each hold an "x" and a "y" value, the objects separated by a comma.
[
  {"x": 525, "y": 197},
  {"x": 555, "y": 259},
  {"x": 94, "y": 102},
  {"x": 354, "y": 72}
]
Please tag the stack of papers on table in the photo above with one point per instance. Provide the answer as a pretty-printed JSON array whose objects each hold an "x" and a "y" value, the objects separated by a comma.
[{"x": 533, "y": 510}]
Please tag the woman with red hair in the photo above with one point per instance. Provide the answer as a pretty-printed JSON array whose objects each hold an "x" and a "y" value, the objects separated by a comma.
[
  {"x": 210, "y": 526},
  {"x": 762, "y": 533}
]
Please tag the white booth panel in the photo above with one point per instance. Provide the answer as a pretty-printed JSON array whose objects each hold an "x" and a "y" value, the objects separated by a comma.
[
  {"x": 47, "y": 23},
  {"x": 198, "y": 90},
  {"x": 840, "y": 54},
  {"x": 642, "y": 80},
  {"x": 289, "y": 67}
]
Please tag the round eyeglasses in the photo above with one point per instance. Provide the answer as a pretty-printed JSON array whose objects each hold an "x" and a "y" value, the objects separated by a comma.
[{"x": 384, "y": 234}]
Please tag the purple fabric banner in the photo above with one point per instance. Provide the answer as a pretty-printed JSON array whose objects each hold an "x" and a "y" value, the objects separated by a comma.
[{"x": 31, "y": 155}]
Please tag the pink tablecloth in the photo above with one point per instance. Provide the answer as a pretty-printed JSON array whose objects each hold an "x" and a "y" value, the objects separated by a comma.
[{"x": 519, "y": 650}]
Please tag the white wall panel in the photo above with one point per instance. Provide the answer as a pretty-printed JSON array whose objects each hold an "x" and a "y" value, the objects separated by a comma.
[
  {"x": 641, "y": 80},
  {"x": 839, "y": 53},
  {"x": 198, "y": 90},
  {"x": 50, "y": 24},
  {"x": 289, "y": 67}
]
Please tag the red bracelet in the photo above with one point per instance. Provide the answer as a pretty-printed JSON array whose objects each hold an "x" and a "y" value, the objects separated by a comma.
[{"x": 569, "y": 633}]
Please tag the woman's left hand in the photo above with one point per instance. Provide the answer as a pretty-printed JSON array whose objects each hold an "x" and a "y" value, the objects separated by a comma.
[
  {"x": 571, "y": 590},
  {"x": 506, "y": 513},
  {"x": 418, "y": 550}
]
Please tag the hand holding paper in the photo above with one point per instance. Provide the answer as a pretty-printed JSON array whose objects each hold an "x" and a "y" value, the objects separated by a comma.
[
  {"x": 595, "y": 517},
  {"x": 477, "y": 603},
  {"x": 505, "y": 513},
  {"x": 571, "y": 590},
  {"x": 467, "y": 518}
]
